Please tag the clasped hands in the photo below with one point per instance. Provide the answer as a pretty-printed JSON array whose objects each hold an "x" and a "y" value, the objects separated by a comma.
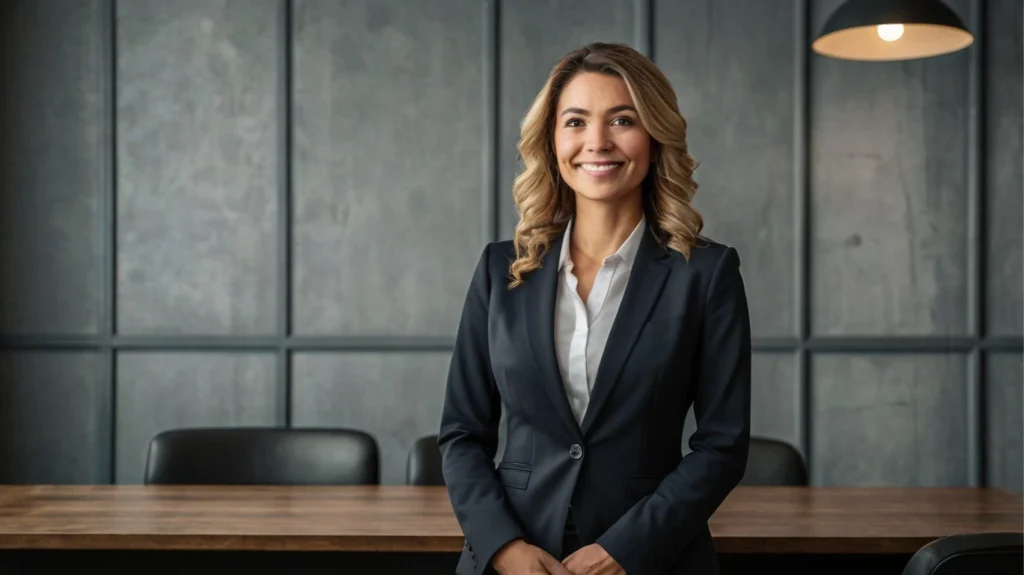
[{"x": 520, "y": 558}]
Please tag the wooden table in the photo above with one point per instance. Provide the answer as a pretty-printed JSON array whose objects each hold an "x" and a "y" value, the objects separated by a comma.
[{"x": 769, "y": 520}]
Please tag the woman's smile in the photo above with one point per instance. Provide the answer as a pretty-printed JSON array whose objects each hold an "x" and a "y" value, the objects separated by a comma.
[{"x": 601, "y": 170}]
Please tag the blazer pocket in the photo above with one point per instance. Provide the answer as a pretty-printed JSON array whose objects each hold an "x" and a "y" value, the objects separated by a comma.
[
  {"x": 514, "y": 475},
  {"x": 643, "y": 485}
]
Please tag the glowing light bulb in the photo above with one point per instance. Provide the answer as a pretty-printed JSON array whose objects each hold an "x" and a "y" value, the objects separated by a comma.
[{"x": 890, "y": 32}]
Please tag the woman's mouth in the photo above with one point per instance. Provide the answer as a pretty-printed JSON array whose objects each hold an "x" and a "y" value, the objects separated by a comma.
[{"x": 600, "y": 169}]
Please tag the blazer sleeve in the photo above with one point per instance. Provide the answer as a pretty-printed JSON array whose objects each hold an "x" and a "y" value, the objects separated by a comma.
[
  {"x": 654, "y": 530},
  {"x": 468, "y": 437}
]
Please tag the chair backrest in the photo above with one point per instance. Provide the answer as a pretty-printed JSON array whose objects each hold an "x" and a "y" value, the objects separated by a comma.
[
  {"x": 774, "y": 462},
  {"x": 970, "y": 554},
  {"x": 263, "y": 456},
  {"x": 424, "y": 464}
]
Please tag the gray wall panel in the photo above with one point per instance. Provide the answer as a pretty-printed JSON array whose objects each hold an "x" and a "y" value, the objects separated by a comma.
[
  {"x": 889, "y": 420},
  {"x": 732, "y": 66},
  {"x": 197, "y": 157},
  {"x": 888, "y": 184},
  {"x": 52, "y": 139},
  {"x": 388, "y": 112},
  {"x": 164, "y": 390},
  {"x": 1004, "y": 419},
  {"x": 389, "y": 143},
  {"x": 1005, "y": 168},
  {"x": 774, "y": 402},
  {"x": 535, "y": 34},
  {"x": 54, "y": 418},
  {"x": 395, "y": 396}
]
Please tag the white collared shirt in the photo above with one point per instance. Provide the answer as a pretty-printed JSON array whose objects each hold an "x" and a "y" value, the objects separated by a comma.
[{"x": 581, "y": 330}]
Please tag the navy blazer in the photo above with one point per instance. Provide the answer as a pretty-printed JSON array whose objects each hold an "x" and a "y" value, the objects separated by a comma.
[{"x": 681, "y": 337}]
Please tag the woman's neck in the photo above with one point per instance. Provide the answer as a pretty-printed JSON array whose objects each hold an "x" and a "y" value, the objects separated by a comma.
[{"x": 599, "y": 229}]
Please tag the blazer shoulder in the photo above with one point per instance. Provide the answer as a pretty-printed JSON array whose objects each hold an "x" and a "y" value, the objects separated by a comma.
[
  {"x": 497, "y": 257},
  {"x": 708, "y": 255},
  {"x": 715, "y": 264},
  {"x": 503, "y": 250}
]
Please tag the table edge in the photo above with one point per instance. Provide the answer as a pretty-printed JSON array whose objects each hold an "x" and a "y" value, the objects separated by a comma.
[
  {"x": 223, "y": 542},
  {"x": 746, "y": 544}
]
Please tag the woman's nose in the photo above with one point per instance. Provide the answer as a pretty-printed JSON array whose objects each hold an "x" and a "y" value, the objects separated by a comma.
[{"x": 598, "y": 140}]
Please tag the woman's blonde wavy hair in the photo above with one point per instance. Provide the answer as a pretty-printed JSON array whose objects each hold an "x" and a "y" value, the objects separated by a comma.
[{"x": 545, "y": 203}]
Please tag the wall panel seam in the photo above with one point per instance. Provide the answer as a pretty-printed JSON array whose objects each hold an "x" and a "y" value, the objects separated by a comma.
[
  {"x": 976, "y": 242},
  {"x": 802, "y": 208},
  {"x": 284, "y": 202},
  {"x": 107, "y": 360},
  {"x": 491, "y": 137}
]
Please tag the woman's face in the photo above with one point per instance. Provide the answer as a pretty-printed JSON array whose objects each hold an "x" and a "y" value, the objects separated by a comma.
[{"x": 603, "y": 151}]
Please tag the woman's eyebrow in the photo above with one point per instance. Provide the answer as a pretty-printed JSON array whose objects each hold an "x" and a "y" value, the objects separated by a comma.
[{"x": 613, "y": 110}]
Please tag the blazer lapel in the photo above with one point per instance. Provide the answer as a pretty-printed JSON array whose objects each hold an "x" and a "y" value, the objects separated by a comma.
[
  {"x": 646, "y": 280},
  {"x": 539, "y": 309}
]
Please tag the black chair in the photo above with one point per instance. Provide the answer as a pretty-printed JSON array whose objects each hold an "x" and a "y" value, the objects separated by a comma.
[
  {"x": 970, "y": 554},
  {"x": 774, "y": 462},
  {"x": 262, "y": 456},
  {"x": 424, "y": 464}
]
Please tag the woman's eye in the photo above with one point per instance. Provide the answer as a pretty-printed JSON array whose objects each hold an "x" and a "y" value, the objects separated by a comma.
[{"x": 578, "y": 123}]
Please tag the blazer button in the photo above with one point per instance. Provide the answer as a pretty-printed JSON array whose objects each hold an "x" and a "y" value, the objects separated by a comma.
[{"x": 575, "y": 451}]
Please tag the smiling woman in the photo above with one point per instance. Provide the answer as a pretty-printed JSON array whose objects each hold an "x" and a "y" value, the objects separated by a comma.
[
  {"x": 596, "y": 329},
  {"x": 608, "y": 106},
  {"x": 602, "y": 149}
]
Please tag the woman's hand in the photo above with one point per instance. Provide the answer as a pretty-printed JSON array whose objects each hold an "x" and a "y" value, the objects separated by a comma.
[
  {"x": 520, "y": 558},
  {"x": 592, "y": 560}
]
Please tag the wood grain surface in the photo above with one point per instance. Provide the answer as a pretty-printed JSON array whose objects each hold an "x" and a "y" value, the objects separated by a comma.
[{"x": 405, "y": 518}]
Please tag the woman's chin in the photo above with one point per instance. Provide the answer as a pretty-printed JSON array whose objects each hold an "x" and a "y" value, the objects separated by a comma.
[{"x": 606, "y": 193}]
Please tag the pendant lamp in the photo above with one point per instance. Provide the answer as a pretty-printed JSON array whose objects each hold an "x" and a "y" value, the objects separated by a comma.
[{"x": 879, "y": 30}]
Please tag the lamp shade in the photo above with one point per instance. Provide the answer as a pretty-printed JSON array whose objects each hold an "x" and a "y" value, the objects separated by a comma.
[{"x": 879, "y": 30}]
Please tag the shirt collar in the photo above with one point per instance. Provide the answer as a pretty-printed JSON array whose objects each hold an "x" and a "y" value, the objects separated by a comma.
[{"x": 627, "y": 251}]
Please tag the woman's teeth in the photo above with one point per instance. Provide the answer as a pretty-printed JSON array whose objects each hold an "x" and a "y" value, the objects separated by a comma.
[{"x": 599, "y": 167}]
